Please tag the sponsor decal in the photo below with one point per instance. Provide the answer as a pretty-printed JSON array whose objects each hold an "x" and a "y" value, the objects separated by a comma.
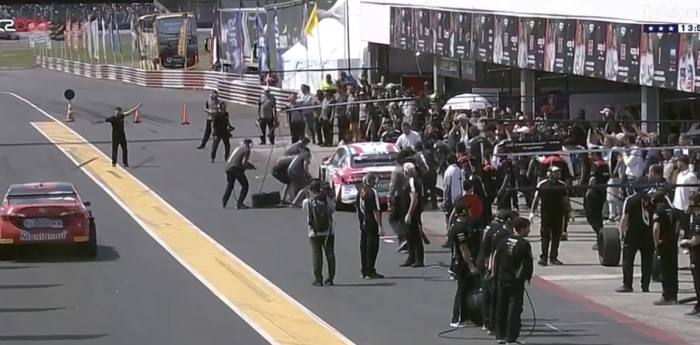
[
  {"x": 43, "y": 236},
  {"x": 42, "y": 223}
]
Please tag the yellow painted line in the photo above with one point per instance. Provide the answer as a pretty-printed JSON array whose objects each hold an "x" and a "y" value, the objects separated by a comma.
[{"x": 273, "y": 313}]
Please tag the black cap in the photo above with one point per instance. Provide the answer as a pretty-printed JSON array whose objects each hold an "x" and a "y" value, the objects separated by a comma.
[{"x": 315, "y": 185}]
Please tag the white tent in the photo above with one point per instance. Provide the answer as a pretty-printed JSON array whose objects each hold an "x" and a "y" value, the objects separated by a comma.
[{"x": 334, "y": 43}]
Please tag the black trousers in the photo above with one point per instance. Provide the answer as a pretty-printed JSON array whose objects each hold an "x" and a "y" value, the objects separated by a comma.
[
  {"x": 464, "y": 284},
  {"x": 207, "y": 134},
  {"x": 695, "y": 270},
  {"x": 296, "y": 130},
  {"x": 593, "y": 206},
  {"x": 488, "y": 304},
  {"x": 550, "y": 233},
  {"x": 232, "y": 176},
  {"x": 318, "y": 130},
  {"x": 369, "y": 250},
  {"x": 118, "y": 142},
  {"x": 414, "y": 237},
  {"x": 629, "y": 253},
  {"x": 265, "y": 126},
  {"x": 668, "y": 262},
  {"x": 215, "y": 146},
  {"x": 396, "y": 219},
  {"x": 343, "y": 127},
  {"x": 429, "y": 180},
  {"x": 509, "y": 309},
  {"x": 321, "y": 245},
  {"x": 327, "y": 131},
  {"x": 683, "y": 222}
]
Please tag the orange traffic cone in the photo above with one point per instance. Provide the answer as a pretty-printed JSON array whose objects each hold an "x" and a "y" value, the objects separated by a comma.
[
  {"x": 69, "y": 114},
  {"x": 185, "y": 117},
  {"x": 137, "y": 117}
]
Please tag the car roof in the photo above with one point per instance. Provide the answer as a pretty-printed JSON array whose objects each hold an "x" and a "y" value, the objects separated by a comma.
[
  {"x": 359, "y": 149},
  {"x": 22, "y": 189}
]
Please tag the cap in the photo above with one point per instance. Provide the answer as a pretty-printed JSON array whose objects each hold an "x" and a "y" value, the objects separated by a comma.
[
  {"x": 606, "y": 110},
  {"x": 315, "y": 185},
  {"x": 461, "y": 117}
]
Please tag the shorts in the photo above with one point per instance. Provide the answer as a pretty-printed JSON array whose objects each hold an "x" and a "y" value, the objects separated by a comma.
[{"x": 281, "y": 175}]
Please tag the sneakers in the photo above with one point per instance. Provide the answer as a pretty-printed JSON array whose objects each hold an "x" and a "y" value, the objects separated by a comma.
[
  {"x": 374, "y": 276},
  {"x": 624, "y": 289},
  {"x": 555, "y": 262},
  {"x": 328, "y": 282},
  {"x": 317, "y": 282},
  {"x": 664, "y": 301},
  {"x": 457, "y": 324},
  {"x": 501, "y": 341}
]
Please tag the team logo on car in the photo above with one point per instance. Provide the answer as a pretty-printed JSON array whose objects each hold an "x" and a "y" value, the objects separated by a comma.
[{"x": 41, "y": 236}]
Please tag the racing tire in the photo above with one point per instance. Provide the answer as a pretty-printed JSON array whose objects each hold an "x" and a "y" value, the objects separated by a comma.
[
  {"x": 89, "y": 249},
  {"x": 609, "y": 247}
]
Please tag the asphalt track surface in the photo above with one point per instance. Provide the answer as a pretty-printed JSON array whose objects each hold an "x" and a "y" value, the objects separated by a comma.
[{"x": 136, "y": 292}]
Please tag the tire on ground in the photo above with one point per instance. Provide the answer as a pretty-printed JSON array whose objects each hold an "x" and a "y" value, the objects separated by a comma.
[{"x": 609, "y": 247}]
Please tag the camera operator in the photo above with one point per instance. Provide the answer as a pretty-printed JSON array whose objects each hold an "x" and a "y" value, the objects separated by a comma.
[
  {"x": 693, "y": 245},
  {"x": 555, "y": 208},
  {"x": 320, "y": 207},
  {"x": 666, "y": 243},
  {"x": 211, "y": 108},
  {"x": 636, "y": 234},
  {"x": 513, "y": 268},
  {"x": 236, "y": 167},
  {"x": 369, "y": 215},
  {"x": 222, "y": 132},
  {"x": 494, "y": 233},
  {"x": 119, "y": 134},
  {"x": 466, "y": 245}
]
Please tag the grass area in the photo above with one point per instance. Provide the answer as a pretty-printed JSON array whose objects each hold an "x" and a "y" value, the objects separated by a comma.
[{"x": 24, "y": 57}]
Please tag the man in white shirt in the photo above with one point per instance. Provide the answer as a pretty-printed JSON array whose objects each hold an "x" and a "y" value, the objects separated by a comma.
[
  {"x": 409, "y": 138},
  {"x": 681, "y": 196},
  {"x": 633, "y": 160},
  {"x": 451, "y": 184}
]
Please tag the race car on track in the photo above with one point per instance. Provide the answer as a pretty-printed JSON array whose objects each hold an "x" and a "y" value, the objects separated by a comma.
[
  {"x": 9, "y": 36},
  {"x": 345, "y": 169},
  {"x": 48, "y": 214}
]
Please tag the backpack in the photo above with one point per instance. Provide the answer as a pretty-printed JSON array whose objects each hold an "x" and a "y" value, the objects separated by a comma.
[{"x": 320, "y": 218}]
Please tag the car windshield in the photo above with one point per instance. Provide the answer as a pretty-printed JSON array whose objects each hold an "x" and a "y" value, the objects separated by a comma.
[{"x": 382, "y": 159}]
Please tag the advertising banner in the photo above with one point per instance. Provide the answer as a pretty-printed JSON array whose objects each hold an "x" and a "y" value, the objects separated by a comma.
[
  {"x": 505, "y": 40},
  {"x": 559, "y": 45},
  {"x": 622, "y": 57},
  {"x": 659, "y": 59},
  {"x": 424, "y": 33},
  {"x": 442, "y": 26},
  {"x": 462, "y": 35},
  {"x": 689, "y": 48},
  {"x": 483, "y": 35},
  {"x": 448, "y": 67},
  {"x": 401, "y": 24},
  {"x": 531, "y": 37},
  {"x": 232, "y": 41}
]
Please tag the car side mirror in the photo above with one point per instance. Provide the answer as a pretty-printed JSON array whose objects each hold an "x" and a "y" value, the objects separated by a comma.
[{"x": 87, "y": 203}]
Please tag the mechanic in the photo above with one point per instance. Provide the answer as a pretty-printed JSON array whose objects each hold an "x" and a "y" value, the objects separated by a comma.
[
  {"x": 295, "y": 119},
  {"x": 236, "y": 167},
  {"x": 211, "y": 108},
  {"x": 556, "y": 207},
  {"x": 494, "y": 233},
  {"x": 222, "y": 132},
  {"x": 394, "y": 204},
  {"x": 427, "y": 169},
  {"x": 119, "y": 134},
  {"x": 369, "y": 214},
  {"x": 412, "y": 206},
  {"x": 319, "y": 206},
  {"x": 466, "y": 240},
  {"x": 666, "y": 243},
  {"x": 299, "y": 175},
  {"x": 267, "y": 115},
  {"x": 693, "y": 245},
  {"x": 295, "y": 149},
  {"x": 594, "y": 200},
  {"x": 280, "y": 173},
  {"x": 636, "y": 234},
  {"x": 513, "y": 268}
]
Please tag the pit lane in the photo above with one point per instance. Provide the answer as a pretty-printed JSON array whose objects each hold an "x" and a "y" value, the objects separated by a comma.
[
  {"x": 134, "y": 292},
  {"x": 404, "y": 309}
]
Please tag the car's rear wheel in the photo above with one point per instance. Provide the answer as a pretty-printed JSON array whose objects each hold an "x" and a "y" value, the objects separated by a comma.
[{"x": 89, "y": 248}]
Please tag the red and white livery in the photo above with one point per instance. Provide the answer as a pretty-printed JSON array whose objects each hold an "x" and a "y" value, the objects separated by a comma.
[{"x": 345, "y": 169}]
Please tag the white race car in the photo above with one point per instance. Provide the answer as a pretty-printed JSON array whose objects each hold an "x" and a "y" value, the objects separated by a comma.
[{"x": 345, "y": 169}]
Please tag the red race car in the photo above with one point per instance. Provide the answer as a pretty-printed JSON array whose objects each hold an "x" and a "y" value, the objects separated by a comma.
[{"x": 47, "y": 213}]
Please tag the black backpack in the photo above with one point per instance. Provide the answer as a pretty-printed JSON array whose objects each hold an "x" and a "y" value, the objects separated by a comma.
[{"x": 320, "y": 217}]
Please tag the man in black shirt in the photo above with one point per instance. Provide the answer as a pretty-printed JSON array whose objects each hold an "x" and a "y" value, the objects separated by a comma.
[
  {"x": 211, "y": 108},
  {"x": 427, "y": 169},
  {"x": 494, "y": 233},
  {"x": 119, "y": 134},
  {"x": 412, "y": 206},
  {"x": 513, "y": 268},
  {"x": 370, "y": 217},
  {"x": 298, "y": 171},
  {"x": 295, "y": 149},
  {"x": 555, "y": 209},
  {"x": 222, "y": 132},
  {"x": 693, "y": 245},
  {"x": 236, "y": 166},
  {"x": 466, "y": 245},
  {"x": 666, "y": 241},
  {"x": 636, "y": 233},
  {"x": 595, "y": 197}
]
